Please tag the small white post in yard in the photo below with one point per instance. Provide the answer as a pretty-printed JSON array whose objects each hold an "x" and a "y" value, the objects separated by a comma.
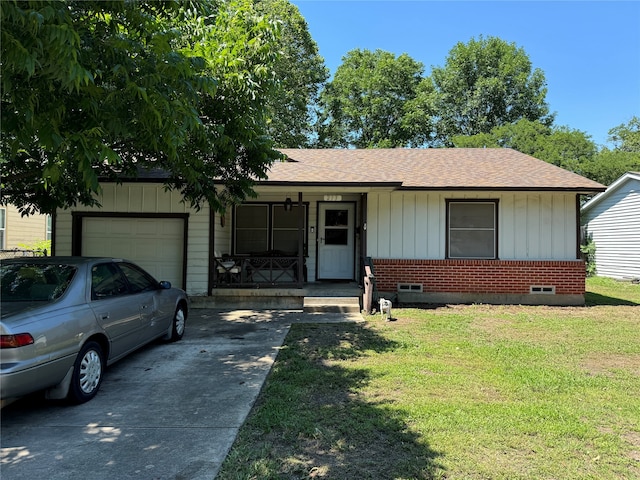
[{"x": 385, "y": 308}]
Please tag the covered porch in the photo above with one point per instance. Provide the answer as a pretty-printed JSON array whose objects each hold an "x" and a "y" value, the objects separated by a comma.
[{"x": 288, "y": 238}]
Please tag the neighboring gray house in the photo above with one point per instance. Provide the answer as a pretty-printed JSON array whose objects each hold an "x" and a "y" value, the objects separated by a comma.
[{"x": 612, "y": 219}]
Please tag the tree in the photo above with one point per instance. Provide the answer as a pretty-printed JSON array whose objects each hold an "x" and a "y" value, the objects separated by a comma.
[
  {"x": 366, "y": 103},
  {"x": 300, "y": 72},
  {"x": 94, "y": 89},
  {"x": 609, "y": 165},
  {"x": 560, "y": 146},
  {"x": 626, "y": 137},
  {"x": 484, "y": 84}
]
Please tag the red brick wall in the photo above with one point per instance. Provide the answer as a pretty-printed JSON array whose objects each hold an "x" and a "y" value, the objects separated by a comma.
[{"x": 481, "y": 276}]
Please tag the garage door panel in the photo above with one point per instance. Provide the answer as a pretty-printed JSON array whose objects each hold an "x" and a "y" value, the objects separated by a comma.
[{"x": 156, "y": 244}]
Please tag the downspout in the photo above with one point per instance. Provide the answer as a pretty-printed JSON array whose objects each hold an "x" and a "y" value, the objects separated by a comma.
[{"x": 578, "y": 221}]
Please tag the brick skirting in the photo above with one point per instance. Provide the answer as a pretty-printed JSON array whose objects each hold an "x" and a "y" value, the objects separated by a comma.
[{"x": 481, "y": 276}]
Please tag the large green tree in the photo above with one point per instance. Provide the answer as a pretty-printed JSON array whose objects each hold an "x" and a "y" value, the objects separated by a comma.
[
  {"x": 560, "y": 146},
  {"x": 95, "y": 89},
  {"x": 300, "y": 72},
  {"x": 365, "y": 105},
  {"x": 610, "y": 164},
  {"x": 626, "y": 136},
  {"x": 486, "y": 83}
]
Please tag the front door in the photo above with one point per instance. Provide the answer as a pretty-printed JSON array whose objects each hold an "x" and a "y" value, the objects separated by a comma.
[{"x": 336, "y": 241}]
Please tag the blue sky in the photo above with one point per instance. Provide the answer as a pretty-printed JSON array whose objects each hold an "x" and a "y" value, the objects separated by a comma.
[{"x": 588, "y": 50}]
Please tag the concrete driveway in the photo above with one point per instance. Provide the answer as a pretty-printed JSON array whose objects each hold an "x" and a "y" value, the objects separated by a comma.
[{"x": 168, "y": 411}]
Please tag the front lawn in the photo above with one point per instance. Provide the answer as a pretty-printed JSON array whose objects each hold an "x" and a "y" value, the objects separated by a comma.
[{"x": 455, "y": 392}]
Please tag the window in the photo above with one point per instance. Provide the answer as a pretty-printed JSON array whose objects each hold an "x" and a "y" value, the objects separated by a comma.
[
  {"x": 139, "y": 281},
  {"x": 336, "y": 227},
  {"x": 252, "y": 228},
  {"x": 25, "y": 282},
  {"x": 472, "y": 229},
  {"x": 107, "y": 281},
  {"x": 48, "y": 234},
  {"x": 263, "y": 227},
  {"x": 3, "y": 220},
  {"x": 285, "y": 229}
]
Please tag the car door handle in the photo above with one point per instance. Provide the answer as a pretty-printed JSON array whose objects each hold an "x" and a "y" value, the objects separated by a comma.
[{"x": 104, "y": 316}]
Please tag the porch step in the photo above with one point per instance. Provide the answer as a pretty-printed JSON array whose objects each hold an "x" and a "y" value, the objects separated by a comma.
[{"x": 331, "y": 304}]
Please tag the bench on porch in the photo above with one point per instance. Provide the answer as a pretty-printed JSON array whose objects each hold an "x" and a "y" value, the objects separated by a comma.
[{"x": 272, "y": 267}]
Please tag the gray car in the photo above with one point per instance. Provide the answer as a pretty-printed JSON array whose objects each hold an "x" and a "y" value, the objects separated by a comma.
[{"x": 64, "y": 319}]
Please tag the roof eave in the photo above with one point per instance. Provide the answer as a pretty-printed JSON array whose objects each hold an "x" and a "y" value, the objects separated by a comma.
[{"x": 579, "y": 190}]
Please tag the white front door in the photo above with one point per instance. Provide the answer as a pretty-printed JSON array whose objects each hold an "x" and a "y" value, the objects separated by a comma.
[{"x": 336, "y": 251}]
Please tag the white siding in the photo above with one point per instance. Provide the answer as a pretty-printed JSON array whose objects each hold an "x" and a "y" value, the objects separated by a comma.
[
  {"x": 531, "y": 226},
  {"x": 149, "y": 198},
  {"x": 614, "y": 223},
  {"x": 23, "y": 231}
]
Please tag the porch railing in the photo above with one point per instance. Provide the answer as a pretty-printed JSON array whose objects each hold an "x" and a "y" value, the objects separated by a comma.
[{"x": 258, "y": 271}]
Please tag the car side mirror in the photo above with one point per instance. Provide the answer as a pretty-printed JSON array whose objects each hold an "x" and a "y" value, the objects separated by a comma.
[{"x": 165, "y": 285}]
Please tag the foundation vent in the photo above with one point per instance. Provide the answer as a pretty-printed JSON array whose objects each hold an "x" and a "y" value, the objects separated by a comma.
[
  {"x": 542, "y": 289},
  {"x": 410, "y": 287}
]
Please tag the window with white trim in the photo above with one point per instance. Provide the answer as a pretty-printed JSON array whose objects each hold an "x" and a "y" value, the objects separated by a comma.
[
  {"x": 472, "y": 229},
  {"x": 49, "y": 227},
  {"x": 269, "y": 226},
  {"x": 3, "y": 225}
]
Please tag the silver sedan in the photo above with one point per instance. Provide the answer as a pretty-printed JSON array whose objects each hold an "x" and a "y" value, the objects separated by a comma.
[{"x": 64, "y": 319}]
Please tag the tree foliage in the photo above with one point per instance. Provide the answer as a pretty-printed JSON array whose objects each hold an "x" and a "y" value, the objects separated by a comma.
[
  {"x": 487, "y": 83},
  {"x": 626, "y": 136},
  {"x": 560, "y": 146},
  {"x": 609, "y": 165},
  {"x": 95, "y": 89},
  {"x": 366, "y": 103},
  {"x": 300, "y": 72}
]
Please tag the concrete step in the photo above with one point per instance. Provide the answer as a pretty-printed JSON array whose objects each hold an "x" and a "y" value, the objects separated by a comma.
[{"x": 331, "y": 304}]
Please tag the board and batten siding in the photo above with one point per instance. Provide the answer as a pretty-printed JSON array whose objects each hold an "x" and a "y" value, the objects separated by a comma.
[
  {"x": 148, "y": 198},
  {"x": 531, "y": 226},
  {"x": 614, "y": 224}
]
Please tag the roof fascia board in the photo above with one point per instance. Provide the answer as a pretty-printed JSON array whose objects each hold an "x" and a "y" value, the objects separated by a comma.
[
  {"x": 584, "y": 191},
  {"x": 610, "y": 189},
  {"x": 330, "y": 184}
]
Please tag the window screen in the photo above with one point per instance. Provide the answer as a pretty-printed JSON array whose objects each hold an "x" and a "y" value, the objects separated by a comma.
[
  {"x": 3, "y": 219},
  {"x": 285, "y": 229},
  {"x": 252, "y": 229},
  {"x": 472, "y": 230},
  {"x": 263, "y": 227}
]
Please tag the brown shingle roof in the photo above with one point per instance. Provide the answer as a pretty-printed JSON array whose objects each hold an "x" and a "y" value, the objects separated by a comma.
[{"x": 439, "y": 168}]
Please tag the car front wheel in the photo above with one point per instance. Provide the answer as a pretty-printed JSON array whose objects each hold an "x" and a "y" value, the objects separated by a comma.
[
  {"x": 87, "y": 373},
  {"x": 179, "y": 323}
]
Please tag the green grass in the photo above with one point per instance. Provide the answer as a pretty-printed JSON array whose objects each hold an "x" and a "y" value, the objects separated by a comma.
[{"x": 456, "y": 392}]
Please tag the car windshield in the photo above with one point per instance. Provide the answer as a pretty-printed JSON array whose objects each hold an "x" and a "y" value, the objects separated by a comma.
[{"x": 28, "y": 282}]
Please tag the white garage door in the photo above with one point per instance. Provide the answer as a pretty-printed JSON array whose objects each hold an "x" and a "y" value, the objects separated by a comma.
[{"x": 156, "y": 244}]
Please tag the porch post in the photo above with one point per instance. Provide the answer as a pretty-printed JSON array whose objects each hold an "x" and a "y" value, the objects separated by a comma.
[
  {"x": 212, "y": 247},
  {"x": 300, "y": 241}
]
